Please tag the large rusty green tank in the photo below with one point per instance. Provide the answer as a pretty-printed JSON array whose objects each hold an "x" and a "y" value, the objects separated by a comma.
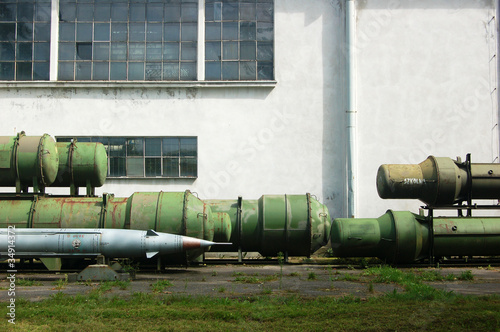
[
  {"x": 296, "y": 225},
  {"x": 28, "y": 161},
  {"x": 401, "y": 237},
  {"x": 179, "y": 213}
]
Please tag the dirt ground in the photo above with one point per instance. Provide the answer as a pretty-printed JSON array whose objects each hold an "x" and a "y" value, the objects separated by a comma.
[{"x": 241, "y": 280}]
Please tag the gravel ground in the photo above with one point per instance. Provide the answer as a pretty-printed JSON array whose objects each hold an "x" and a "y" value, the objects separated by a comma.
[{"x": 248, "y": 280}]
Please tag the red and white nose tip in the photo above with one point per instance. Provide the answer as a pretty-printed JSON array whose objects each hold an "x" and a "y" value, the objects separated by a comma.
[{"x": 193, "y": 243}]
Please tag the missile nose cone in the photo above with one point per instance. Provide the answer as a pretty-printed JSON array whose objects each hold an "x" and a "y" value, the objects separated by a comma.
[{"x": 192, "y": 243}]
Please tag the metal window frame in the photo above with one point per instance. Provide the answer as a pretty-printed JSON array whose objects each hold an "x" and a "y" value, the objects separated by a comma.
[{"x": 143, "y": 157}]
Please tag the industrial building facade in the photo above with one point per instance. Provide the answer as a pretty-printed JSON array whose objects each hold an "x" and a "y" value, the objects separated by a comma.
[{"x": 242, "y": 98}]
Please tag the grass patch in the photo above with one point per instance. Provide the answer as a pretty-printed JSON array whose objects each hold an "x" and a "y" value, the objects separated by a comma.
[
  {"x": 265, "y": 312},
  {"x": 27, "y": 282},
  {"x": 466, "y": 275},
  {"x": 160, "y": 285}
]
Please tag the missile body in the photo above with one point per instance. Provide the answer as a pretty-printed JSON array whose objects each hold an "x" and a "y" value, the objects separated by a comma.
[{"x": 84, "y": 242}]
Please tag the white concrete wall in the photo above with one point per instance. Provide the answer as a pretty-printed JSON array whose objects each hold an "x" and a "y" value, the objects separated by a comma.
[
  {"x": 425, "y": 72},
  {"x": 426, "y": 86}
]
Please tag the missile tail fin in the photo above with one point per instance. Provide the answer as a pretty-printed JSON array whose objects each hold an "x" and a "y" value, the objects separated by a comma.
[
  {"x": 151, "y": 254},
  {"x": 151, "y": 232}
]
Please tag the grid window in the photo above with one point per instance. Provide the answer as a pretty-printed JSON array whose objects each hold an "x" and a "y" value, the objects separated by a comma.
[
  {"x": 24, "y": 40},
  {"x": 128, "y": 40},
  {"x": 148, "y": 157},
  {"x": 239, "y": 39}
]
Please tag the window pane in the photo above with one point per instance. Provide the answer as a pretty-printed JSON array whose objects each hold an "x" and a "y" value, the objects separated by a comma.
[
  {"x": 67, "y": 12},
  {"x": 154, "y": 12},
  {"x": 102, "y": 12},
  {"x": 136, "y": 71},
  {"x": 188, "y": 167},
  {"x": 24, "y": 31},
  {"x": 137, "y": 32},
  {"x": 247, "y": 51},
  {"x": 171, "y": 51},
  {"x": 7, "y": 31},
  {"x": 135, "y": 166},
  {"x": 118, "y": 51},
  {"x": 230, "y": 70},
  {"x": 188, "y": 51},
  {"x": 118, "y": 71},
  {"x": 189, "y": 32},
  {"x": 188, "y": 147},
  {"x": 101, "y": 32},
  {"x": 247, "y": 11},
  {"x": 153, "y": 71},
  {"x": 7, "y": 12},
  {"x": 42, "y": 32},
  {"x": 66, "y": 51},
  {"x": 83, "y": 71},
  {"x": 172, "y": 12},
  {"x": 229, "y": 11},
  {"x": 172, "y": 32},
  {"x": 117, "y": 167},
  {"x": 170, "y": 147},
  {"x": 42, "y": 51},
  {"x": 230, "y": 50},
  {"x": 24, "y": 51},
  {"x": 212, "y": 51},
  {"x": 154, "y": 32},
  {"x": 153, "y": 147},
  {"x": 135, "y": 147},
  {"x": 119, "y": 32},
  {"x": 264, "y": 70},
  {"x": 7, "y": 70},
  {"x": 137, "y": 12},
  {"x": 85, "y": 12},
  {"x": 42, "y": 12},
  {"x": 171, "y": 167},
  {"x": 189, "y": 12},
  {"x": 119, "y": 12},
  {"x": 230, "y": 31},
  {"x": 66, "y": 71},
  {"x": 265, "y": 51},
  {"x": 25, "y": 12},
  {"x": 213, "y": 11},
  {"x": 264, "y": 31},
  {"x": 117, "y": 146},
  {"x": 247, "y": 31},
  {"x": 7, "y": 51},
  {"x": 188, "y": 71},
  {"x": 212, "y": 70},
  {"x": 101, "y": 71},
  {"x": 265, "y": 12},
  {"x": 83, "y": 51},
  {"x": 66, "y": 31},
  {"x": 41, "y": 71},
  {"x": 171, "y": 71},
  {"x": 136, "y": 51},
  {"x": 248, "y": 70},
  {"x": 153, "y": 166},
  {"x": 23, "y": 71},
  {"x": 84, "y": 32},
  {"x": 101, "y": 51},
  {"x": 213, "y": 31}
]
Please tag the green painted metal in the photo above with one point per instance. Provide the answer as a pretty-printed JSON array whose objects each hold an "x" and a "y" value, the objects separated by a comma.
[
  {"x": 404, "y": 237},
  {"x": 297, "y": 225},
  {"x": 438, "y": 181},
  {"x": 28, "y": 161},
  {"x": 222, "y": 232},
  {"x": 81, "y": 163}
]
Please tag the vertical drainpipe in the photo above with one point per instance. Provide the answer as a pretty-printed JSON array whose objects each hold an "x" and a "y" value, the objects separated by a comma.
[{"x": 351, "y": 153}]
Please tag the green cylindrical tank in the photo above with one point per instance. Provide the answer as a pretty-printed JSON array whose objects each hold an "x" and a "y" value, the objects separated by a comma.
[
  {"x": 177, "y": 213},
  {"x": 438, "y": 181},
  {"x": 294, "y": 224},
  {"x": 81, "y": 163},
  {"x": 403, "y": 237},
  {"x": 222, "y": 227},
  {"x": 28, "y": 161}
]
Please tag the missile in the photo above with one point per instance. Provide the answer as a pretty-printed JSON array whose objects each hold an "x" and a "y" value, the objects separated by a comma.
[{"x": 84, "y": 242}]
